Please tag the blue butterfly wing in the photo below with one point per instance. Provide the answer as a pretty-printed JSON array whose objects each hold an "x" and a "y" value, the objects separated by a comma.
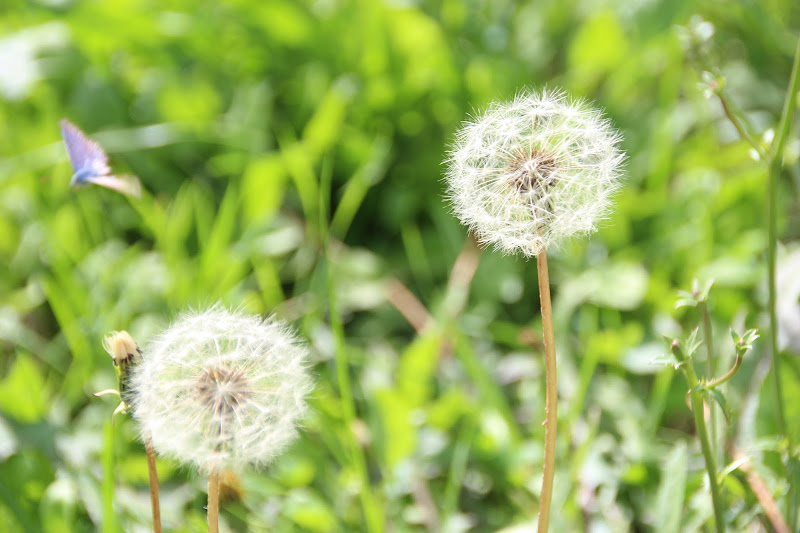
[
  {"x": 129, "y": 185},
  {"x": 84, "y": 154}
]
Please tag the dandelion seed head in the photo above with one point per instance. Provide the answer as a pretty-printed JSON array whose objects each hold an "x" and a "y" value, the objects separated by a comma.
[
  {"x": 222, "y": 389},
  {"x": 529, "y": 173}
]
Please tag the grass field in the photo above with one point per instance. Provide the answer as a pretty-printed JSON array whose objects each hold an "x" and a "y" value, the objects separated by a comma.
[{"x": 291, "y": 160}]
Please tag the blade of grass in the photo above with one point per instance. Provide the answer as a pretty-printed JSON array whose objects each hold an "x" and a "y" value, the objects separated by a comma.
[
  {"x": 672, "y": 489},
  {"x": 372, "y": 507},
  {"x": 110, "y": 523},
  {"x": 359, "y": 184},
  {"x": 458, "y": 467},
  {"x": 488, "y": 389}
]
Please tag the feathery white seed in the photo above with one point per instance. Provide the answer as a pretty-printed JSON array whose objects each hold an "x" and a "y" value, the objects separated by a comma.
[
  {"x": 529, "y": 173},
  {"x": 222, "y": 389}
]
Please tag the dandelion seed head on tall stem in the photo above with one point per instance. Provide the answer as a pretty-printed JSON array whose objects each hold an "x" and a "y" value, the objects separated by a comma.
[
  {"x": 529, "y": 173},
  {"x": 222, "y": 389}
]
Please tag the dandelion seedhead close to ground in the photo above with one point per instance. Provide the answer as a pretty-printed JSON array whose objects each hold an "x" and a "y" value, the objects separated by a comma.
[
  {"x": 222, "y": 389},
  {"x": 530, "y": 172}
]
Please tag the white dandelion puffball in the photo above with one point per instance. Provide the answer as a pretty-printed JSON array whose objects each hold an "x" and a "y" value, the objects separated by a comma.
[
  {"x": 222, "y": 389},
  {"x": 529, "y": 173}
]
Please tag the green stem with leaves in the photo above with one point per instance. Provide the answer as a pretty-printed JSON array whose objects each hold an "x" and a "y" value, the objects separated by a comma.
[
  {"x": 696, "y": 396},
  {"x": 774, "y": 161},
  {"x": 708, "y": 455}
]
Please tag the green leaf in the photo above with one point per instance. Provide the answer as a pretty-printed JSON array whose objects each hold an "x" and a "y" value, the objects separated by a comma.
[
  {"x": 417, "y": 366},
  {"x": 310, "y": 511},
  {"x": 702, "y": 293},
  {"x": 672, "y": 489},
  {"x": 667, "y": 360},
  {"x": 359, "y": 184},
  {"x": 110, "y": 521},
  {"x": 717, "y": 395},
  {"x": 599, "y": 46},
  {"x": 399, "y": 437},
  {"x": 692, "y": 343},
  {"x": 22, "y": 393},
  {"x": 263, "y": 187}
]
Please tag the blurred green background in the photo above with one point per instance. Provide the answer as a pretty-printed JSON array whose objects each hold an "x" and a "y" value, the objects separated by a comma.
[{"x": 292, "y": 153}]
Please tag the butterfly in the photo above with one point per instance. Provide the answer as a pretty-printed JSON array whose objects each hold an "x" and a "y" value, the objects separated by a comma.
[{"x": 90, "y": 163}]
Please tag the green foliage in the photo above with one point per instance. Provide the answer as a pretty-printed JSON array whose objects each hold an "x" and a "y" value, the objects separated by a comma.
[{"x": 291, "y": 156}]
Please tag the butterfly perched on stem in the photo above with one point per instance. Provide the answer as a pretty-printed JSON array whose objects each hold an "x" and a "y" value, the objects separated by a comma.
[{"x": 90, "y": 163}]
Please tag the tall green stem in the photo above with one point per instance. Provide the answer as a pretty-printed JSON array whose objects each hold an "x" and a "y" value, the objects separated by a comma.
[
  {"x": 708, "y": 455},
  {"x": 702, "y": 432},
  {"x": 707, "y": 335},
  {"x": 696, "y": 396},
  {"x": 775, "y": 167},
  {"x": 551, "y": 394}
]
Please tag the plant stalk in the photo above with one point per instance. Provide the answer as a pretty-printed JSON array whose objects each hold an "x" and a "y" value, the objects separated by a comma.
[
  {"x": 696, "y": 396},
  {"x": 707, "y": 335},
  {"x": 551, "y": 394},
  {"x": 711, "y": 467},
  {"x": 775, "y": 167},
  {"x": 213, "y": 501},
  {"x": 153, "y": 474}
]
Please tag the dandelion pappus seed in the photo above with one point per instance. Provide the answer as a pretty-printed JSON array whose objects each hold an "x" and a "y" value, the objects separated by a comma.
[
  {"x": 532, "y": 173},
  {"x": 529, "y": 173},
  {"x": 221, "y": 389}
]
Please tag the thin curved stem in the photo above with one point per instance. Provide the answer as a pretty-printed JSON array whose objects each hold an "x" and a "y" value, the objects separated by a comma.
[
  {"x": 727, "y": 375},
  {"x": 213, "y": 501},
  {"x": 551, "y": 394},
  {"x": 740, "y": 127},
  {"x": 153, "y": 474}
]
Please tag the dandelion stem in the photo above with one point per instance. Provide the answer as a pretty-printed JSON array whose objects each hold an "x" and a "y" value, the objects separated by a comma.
[
  {"x": 151, "y": 470},
  {"x": 551, "y": 395},
  {"x": 213, "y": 501}
]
